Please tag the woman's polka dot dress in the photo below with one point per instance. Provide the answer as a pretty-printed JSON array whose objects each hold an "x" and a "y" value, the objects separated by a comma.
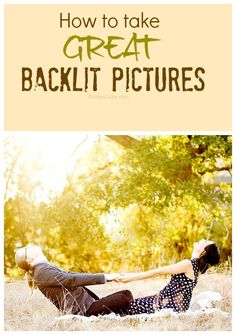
[{"x": 176, "y": 295}]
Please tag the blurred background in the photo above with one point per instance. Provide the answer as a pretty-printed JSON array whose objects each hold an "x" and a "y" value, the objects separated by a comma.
[{"x": 107, "y": 203}]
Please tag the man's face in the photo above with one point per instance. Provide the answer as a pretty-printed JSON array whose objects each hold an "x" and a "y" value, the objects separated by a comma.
[{"x": 33, "y": 251}]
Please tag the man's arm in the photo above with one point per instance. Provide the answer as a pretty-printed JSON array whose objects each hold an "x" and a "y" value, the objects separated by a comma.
[{"x": 49, "y": 276}]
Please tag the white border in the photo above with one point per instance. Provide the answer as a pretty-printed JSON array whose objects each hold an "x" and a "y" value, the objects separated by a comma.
[{"x": 1, "y": 173}]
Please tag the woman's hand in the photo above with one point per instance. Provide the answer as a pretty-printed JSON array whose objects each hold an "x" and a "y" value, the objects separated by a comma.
[{"x": 124, "y": 278}]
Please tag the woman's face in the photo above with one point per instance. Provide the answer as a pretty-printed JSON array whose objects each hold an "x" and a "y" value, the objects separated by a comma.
[{"x": 198, "y": 247}]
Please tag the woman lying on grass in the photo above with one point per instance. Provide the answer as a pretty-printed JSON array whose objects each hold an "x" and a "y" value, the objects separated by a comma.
[{"x": 177, "y": 294}]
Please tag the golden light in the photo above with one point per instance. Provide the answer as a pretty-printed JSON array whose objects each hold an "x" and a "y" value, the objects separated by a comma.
[{"x": 53, "y": 154}]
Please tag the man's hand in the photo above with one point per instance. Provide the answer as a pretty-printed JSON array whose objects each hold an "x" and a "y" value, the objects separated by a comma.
[
  {"x": 118, "y": 277},
  {"x": 112, "y": 276}
]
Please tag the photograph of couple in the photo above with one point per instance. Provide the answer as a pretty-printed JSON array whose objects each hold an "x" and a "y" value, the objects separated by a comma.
[
  {"x": 67, "y": 291},
  {"x": 102, "y": 226}
]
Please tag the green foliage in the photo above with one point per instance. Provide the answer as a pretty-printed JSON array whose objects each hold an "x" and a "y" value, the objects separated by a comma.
[
  {"x": 144, "y": 207},
  {"x": 164, "y": 176}
]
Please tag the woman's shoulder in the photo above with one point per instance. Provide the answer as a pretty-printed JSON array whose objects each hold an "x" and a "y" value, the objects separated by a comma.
[
  {"x": 190, "y": 268},
  {"x": 186, "y": 262},
  {"x": 186, "y": 265}
]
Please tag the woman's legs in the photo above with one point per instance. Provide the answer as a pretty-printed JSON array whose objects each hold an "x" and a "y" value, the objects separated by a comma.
[
  {"x": 116, "y": 303},
  {"x": 142, "y": 305}
]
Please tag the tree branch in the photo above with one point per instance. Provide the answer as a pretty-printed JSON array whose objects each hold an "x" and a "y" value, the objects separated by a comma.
[{"x": 124, "y": 140}]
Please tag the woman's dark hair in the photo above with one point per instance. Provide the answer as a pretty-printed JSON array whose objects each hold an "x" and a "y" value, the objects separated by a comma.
[{"x": 209, "y": 256}]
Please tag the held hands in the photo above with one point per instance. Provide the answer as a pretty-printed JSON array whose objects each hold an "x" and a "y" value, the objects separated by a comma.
[
  {"x": 123, "y": 278},
  {"x": 112, "y": 276},
  {"x": 119, "y": 277},
  {"x": 128, "y": 277}
]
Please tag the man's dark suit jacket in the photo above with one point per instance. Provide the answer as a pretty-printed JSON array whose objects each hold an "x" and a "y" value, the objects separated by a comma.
[{"x": 66, "y": 289}]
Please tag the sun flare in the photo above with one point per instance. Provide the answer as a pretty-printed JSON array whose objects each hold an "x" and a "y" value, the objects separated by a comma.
[{"x": 50, "y": 157}]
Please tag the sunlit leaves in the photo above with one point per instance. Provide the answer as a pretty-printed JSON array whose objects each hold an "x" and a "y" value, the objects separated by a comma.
[{"x": 128, "y": 209}]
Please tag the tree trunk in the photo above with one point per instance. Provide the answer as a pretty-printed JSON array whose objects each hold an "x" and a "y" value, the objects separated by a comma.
[{"x": 124, "y": 140}]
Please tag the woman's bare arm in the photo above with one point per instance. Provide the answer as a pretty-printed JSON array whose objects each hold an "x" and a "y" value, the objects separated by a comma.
[{"x": 180, "y": 267}]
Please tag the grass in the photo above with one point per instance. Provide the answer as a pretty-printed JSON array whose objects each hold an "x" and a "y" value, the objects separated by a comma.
[{"x": 26, "y": 312}]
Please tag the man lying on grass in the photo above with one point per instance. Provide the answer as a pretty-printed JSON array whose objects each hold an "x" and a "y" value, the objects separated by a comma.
[{"x": 67, "y": 290}]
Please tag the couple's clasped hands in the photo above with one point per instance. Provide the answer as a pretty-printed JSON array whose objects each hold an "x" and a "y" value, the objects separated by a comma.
[
  {"x": 118, "y": 277},
  {"x": 128, "y": 277}
]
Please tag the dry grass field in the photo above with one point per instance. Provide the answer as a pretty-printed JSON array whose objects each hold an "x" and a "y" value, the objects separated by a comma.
[{"x": 25, "y": 312}]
